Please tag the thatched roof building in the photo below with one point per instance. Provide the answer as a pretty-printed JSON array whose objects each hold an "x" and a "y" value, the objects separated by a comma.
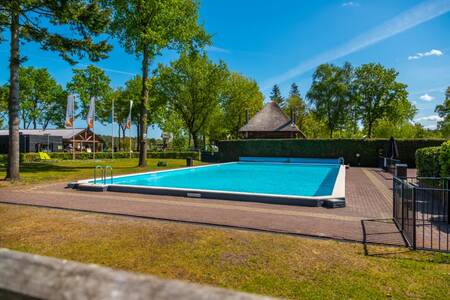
[{"x": 271, "y": 122}]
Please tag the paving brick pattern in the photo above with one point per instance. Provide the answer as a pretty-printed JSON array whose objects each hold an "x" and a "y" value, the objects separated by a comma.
[{"x": 365, "y": 218}]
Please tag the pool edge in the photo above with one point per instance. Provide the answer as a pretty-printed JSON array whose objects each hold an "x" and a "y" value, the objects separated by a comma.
[{"x": 338, "y": 192}]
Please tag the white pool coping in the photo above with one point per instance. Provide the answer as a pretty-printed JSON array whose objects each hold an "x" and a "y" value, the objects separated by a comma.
[{"x": 337, "y": 193}]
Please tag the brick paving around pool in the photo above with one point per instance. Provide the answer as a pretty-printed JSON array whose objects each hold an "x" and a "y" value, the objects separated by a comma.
[{"x": 366, "y": 217}]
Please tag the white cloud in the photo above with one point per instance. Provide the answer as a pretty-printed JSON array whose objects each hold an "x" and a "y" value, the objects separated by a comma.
[
  {"x": 426, "y": 98},
  {"x": 350, "y": 4},
  {"x": 217, "y": 49},
  {"x": 432, "y": 118},
  {"x": 432, "y": 52},
  {"x": 432, "y": 127},
  {"x": 423, "y": 12}
]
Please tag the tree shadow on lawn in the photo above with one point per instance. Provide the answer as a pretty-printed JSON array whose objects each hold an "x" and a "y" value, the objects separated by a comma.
[{"x": 382, "y": 239}]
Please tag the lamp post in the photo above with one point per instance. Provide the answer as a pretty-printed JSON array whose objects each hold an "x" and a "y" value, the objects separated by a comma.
[{"x": 358, "y": 159}]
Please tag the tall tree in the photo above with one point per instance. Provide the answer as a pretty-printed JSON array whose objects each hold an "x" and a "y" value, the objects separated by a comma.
[
  {"x": 443, "y": 111},
  {"x": 41, "y": 98},
  {"x": 240, "y": 96},
  {"x": 191, "y": 86},
  {"x": 92, "y": 82},
  {"x": 69, "y": 28},
  {"x": 330, "y": 95},
  {"x": 296, "y": 105},
  {"x": 144, "y": 29},
  {"x": 380, "y": 95},
  {"x": 275, "y": 95}
]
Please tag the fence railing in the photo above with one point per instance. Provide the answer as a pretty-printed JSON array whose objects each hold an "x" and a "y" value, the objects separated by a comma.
[
  {"x": 388, "y": 164},
  {"x": 421, "y": 211}
]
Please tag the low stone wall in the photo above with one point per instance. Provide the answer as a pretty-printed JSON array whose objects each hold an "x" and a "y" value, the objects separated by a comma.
[{"x": 26, "y": 276}]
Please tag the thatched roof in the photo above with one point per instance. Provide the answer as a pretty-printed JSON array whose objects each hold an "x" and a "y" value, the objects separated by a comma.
[{"x": 271, "y": 118}]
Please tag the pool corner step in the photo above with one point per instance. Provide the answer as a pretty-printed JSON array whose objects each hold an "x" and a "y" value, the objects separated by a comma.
[
  {"x": 334, "y": 203},
  {"x": 92, "y": 187}
]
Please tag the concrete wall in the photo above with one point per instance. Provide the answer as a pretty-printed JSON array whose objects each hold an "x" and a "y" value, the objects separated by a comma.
[{"x": 26, "y": 276}]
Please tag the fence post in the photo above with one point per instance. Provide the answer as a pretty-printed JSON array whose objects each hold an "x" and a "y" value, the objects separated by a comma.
[
  {"x": 402, "y": 203},
  {"x": 414, "y": 217},
  {"x": 394, "y": 200}
]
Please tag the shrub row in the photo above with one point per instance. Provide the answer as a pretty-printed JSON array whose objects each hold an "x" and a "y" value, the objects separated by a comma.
[
  {"x": 434, "y": 161},
  {"x": 31, "y": 157},
  {"x": 368, "y": 149},
  {"x": 427, "y": 162}
]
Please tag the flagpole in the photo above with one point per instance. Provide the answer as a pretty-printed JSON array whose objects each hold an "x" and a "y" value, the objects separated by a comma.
[
  {"x": 112, "y": 130},
  {"x": 73, "y": 127},
  {"x": 129, "y": 123},
  {"x": 93, "y": 130},
  {"x": 129, "y": 133}
]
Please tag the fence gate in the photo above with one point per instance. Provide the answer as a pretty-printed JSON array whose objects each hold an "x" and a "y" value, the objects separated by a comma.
[{"x": 421, "y": 211}]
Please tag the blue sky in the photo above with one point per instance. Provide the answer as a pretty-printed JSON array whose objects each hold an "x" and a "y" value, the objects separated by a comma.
[{"x": 283, "y": 41}]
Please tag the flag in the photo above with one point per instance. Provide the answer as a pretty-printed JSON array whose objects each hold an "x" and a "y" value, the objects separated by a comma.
[
  {"x": 128, "y": 126},
  {"x": 70, "y": 111},
  {"x": 91, "y": 114}
]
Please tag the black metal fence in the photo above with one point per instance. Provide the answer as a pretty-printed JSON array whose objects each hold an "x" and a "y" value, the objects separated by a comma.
[{"x": 421, "y": 211}]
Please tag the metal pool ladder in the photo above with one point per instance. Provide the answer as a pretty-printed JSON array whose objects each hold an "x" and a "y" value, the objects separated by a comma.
[{"x": 104, "y": 173}]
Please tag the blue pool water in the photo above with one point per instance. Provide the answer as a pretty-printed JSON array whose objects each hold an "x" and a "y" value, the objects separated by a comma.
[{"x": 262, "y": 178}]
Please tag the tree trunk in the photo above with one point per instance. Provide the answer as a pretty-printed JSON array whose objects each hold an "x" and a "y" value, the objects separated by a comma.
[
  {"x": 13, "y": 172},
  {"x": 195, "y": 140},
  {"x": 369, "y": 130},
  {"x": 137, "y": 135},
  {"x": 143, "y": 112},
  {"x": 119, "y": 147},
  {"x": 124, "y": 135}
]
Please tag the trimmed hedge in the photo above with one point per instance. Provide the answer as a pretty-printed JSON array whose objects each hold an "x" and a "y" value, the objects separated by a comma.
[
  {"x": 32, "y": 157},
  {"x": 444, "y": 159},
  {"x": 368, "y": 149},
  {"x": 427, "y": 162}
]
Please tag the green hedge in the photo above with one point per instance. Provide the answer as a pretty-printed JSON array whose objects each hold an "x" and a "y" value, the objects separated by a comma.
[
  {"x": 434, "y": 161},
  {"x": 427, "y": 162},
  {"x": 369, "y": 149},
  {"x": 444, "y": 159},
  {"x": 31, "y": 157}
]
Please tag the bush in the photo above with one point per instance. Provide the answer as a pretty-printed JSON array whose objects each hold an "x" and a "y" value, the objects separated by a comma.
[
  {"x": 444, "y": 159},
  {"x": 427, "y": 162},
  {"x": 32, "y": 157},
  {"x": 368, "y": 149}
]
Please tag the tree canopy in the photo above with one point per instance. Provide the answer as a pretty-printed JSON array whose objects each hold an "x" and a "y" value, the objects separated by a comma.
[
  {"x": 380, "y": 96},
  {"x": 42, "y": 99},
  {"x": 92, "y": 82},
  {"x": 145, "y": 28},
  {"x": 70, "y": 28},
  {"x": 443, "y": 111},
  {"x": 191, "y": 86},
  {"x": 275, "y": 95},
  {"x": 296, "y": 105},
  {"x": 240, "y": 96},
  {"x": 330, "y": 95}
]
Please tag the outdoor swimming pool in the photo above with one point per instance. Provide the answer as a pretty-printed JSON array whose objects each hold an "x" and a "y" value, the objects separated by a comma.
[{"x": 274, "y": 180}]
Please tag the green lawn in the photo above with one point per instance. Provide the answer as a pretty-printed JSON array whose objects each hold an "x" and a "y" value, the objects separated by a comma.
[
  {"x": 67, "y": 170},
  {"x": 277, "y": 265}
]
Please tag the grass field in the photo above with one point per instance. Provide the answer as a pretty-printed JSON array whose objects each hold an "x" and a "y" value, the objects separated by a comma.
[
  {"x": 262, "y": 263},
  {"x": 67, "y": 170}
]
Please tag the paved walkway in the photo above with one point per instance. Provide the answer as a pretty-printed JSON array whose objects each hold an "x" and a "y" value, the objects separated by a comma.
[{"x": 365, "y": 218}]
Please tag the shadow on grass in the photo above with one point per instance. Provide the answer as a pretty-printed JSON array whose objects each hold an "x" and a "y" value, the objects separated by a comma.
[{"x": 384, "y": 232}]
